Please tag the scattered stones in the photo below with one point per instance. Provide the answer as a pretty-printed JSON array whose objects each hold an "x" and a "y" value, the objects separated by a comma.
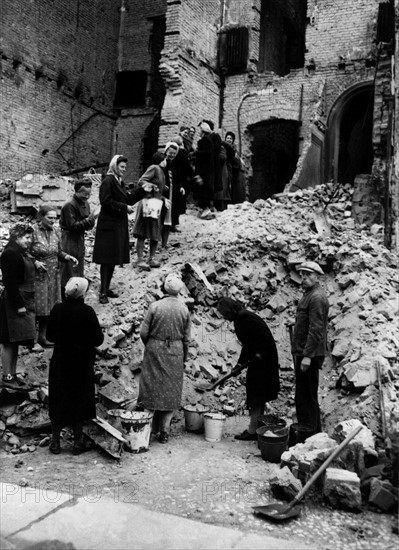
[{"x": 284, "y": 485}]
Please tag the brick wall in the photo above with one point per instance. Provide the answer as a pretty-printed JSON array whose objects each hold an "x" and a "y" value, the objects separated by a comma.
[{"x": 58, "y": 76}]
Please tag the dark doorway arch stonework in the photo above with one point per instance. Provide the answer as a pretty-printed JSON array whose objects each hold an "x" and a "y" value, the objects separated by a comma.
[{"x": 348, "y": 143}]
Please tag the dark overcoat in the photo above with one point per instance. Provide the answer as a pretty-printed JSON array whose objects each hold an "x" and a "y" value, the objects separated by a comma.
[
  {"x": 74, "y": 328},
  {"x": 111, "y": 245},
  {"x": 205, "y": 167},
  {"x": 262, "y": 383}
]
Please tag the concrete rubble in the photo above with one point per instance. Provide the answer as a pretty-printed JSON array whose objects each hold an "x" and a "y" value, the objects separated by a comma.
[
  {"x": 252, "y": 257},
  {"x": 341, "y": 489}
]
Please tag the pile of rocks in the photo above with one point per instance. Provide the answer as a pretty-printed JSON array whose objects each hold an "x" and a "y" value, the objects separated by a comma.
[{"x": 250, "y": 252}]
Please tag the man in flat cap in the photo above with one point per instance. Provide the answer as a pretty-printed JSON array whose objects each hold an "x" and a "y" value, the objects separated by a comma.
[{"x": 309, "y": 345}]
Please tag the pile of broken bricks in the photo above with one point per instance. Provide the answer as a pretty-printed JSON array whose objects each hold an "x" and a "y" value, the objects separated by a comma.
[{"x": 358, "y": 477}]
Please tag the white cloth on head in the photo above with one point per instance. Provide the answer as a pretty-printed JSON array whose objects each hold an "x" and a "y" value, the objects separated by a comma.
[
  {"x": 113, "y": 167},
  {"x": 171, "y": 144},
  {"x": 173, "y": 284},
  {"x": 205, "y": 127},
  {"x": 76, "y": 287}
]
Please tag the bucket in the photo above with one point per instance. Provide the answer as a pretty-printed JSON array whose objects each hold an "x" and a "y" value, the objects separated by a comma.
[
  {"x": 136, "y": 427},
  {"x": 214, "y": 424},
  {"x": 299, "y": 433},
  {"x": 194, "y": 418},
  {"x": 272, "y": 421},
  {"x": 272, "y": 444}
]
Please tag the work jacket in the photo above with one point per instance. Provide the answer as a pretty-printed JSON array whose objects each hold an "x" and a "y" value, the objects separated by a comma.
[{"x": 310, "y": 332}]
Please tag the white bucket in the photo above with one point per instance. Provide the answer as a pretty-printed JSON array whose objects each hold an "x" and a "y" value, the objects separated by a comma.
[
  {"x": 136, "y": 426},
  {"x": 194, "y": 418},
  {"x": 214, "y": 424}
]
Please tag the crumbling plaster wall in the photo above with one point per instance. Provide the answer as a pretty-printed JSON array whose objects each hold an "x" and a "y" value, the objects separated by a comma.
[
  {"x": 395, "y": 168},
  {"x": 58, "y": 63}
]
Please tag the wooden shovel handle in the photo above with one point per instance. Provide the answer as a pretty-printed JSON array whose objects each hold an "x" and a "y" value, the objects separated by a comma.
[{"x": 324, "y": 467}]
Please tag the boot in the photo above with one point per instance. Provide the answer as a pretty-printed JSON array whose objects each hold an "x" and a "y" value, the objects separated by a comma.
[{"x": 55, "y": 446}]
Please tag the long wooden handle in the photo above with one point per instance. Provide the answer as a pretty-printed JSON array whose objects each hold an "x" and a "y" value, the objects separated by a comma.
[{"x": 324, "y": 467}]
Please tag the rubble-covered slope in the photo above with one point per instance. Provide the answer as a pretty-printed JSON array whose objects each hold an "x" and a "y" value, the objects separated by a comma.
[{"x": 250, "y": 252}]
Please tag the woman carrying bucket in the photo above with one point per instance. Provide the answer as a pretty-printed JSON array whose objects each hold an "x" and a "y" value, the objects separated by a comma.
[
  {"x": 165, "y": 332},
  {"x": 259, "y": 354}
]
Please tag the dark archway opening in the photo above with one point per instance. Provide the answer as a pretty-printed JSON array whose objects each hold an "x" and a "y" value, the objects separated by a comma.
[
  {"x": 349, "y": 135},
  {"x": 274, "y": 157}
]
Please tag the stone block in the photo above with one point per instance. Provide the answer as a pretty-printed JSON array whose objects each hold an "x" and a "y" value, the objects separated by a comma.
[
  {"x": 382, "y": 494},
  {"x": 284, "y": 485},
  {"x": 360, "y": 453},
  {"x": 342, "y": 489},
  {"x": 209, "y": 371}
]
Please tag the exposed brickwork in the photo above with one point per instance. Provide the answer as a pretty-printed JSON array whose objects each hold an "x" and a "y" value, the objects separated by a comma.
[{"x": 58, "y": 65}]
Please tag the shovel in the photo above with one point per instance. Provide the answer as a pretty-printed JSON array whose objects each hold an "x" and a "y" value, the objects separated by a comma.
[
  {"x": 203, "y": 386},
  {"x": 281, "y": 512}
]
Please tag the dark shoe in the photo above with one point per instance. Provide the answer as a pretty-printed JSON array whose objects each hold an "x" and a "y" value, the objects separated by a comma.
[
  {"x": 174, "y": 229},
  {"x": 103, "y": 299},
  {"x": 80, "y": 447},
  {"x": 9, "y": 382},
  {"x": 54, "y": 446},
  {"x": 246, "y": 436},
  {"x": 45, "y": 343},
  {"x": 112, "y": 294},
  {"x": 163, "y": 437},
  {"x": 141, "y": 264}
]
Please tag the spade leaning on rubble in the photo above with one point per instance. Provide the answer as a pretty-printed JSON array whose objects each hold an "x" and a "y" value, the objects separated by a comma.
[
  {"x": 309, "y": 345},
  {"x": 75, "y": 330},
  {"x": 17, "y": 301},
  {"x": 259, "y": 352}
]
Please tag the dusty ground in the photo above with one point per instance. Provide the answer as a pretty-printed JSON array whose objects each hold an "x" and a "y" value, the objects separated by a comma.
[{"x": 215, "y": 483}]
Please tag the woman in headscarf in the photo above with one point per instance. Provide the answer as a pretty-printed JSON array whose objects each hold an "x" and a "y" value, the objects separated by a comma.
[
  {"x": 47, "y": 252},
  {"x": 165, "y": 332},
  {"x": 149, "y": 222},
  {"x": 17, "y": 302},
  {"x": 111, "y": 245},
  {"x": 258, "y": 355},
  {"x": 75, "y": 330}
]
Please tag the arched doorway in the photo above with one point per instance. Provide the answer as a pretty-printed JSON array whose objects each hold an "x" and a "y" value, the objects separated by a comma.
[{"x": 349, "y": 148}]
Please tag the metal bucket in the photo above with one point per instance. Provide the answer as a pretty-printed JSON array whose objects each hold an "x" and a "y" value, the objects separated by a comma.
[
  {"x": 214, "y": 424},
  {"x": 272, "y": 444},
  {"x": 114, "y": 417},
  {"x": 136, "y": 427},
  {"x": 299, "y": 433},
  {"x": 194, "y": 418}
]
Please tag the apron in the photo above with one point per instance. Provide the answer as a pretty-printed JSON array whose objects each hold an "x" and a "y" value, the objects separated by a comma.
[{"x": 21, "y": 328}]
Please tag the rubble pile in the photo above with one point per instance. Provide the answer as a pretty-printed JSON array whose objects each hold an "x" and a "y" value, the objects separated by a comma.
[{"x": 250, "y": 252}]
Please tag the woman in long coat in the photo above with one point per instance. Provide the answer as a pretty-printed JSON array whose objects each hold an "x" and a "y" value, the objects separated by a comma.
[
  {"x": 111, "y": 245},
  {"x": 165, "y": 332},
  {"x": 259, "y": 353},
  {"x": 17, "y": 302},
  {"x": 47, "y": 252},
  {"x": 75, "y": 330}
]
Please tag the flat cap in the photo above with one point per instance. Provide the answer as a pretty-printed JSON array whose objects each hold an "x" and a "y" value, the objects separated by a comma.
[{"x": 311, "y": 266}]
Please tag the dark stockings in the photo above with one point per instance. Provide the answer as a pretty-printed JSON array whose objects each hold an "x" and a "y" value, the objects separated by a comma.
[{"x": 106, "y": 272}]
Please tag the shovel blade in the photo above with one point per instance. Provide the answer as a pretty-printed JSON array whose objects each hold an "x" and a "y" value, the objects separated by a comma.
[
  {"x": 277, "y": 512},
  {"x": 203, "y": 386}
]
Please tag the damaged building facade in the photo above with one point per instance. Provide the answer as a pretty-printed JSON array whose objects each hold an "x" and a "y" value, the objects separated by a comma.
[{"x": 307, "y": 86}]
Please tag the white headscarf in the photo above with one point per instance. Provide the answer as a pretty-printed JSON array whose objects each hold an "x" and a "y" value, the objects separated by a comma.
[
  {"x": 173, "y": 284},
  {"x": 76, "y": 287},
  {"x": 171, "y": 144},
  {"x": 113, "y": 167},
  {"x": 205, "y": 127}
]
